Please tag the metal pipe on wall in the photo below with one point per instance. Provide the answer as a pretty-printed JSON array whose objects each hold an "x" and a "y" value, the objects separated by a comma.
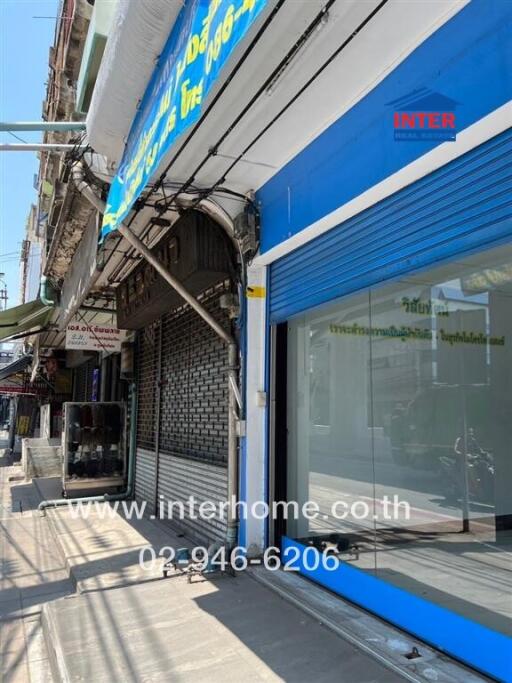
[
  {"x": 139, "y": 246},
  {"x": 39, "y": 147},
  {"x": 78, "y": 173},
  {"x": 158, "y": 410},
  {"x": 42, "y": 125},
  {"x": 78, "y": 305},
  {"x": 232, "y": 522}
]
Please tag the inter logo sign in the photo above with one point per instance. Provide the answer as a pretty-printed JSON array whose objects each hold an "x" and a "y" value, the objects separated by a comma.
[{"x": 424, "y": 115}]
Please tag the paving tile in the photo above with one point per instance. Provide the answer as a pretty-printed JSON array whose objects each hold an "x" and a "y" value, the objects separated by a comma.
[
  {"x": 14, "y": 668},
  {"x": 40, "y": 671},
  {"x": 35, "y": 647},
  {"x": 10, "y": 630},
  {"x": 225, "y": 630}
]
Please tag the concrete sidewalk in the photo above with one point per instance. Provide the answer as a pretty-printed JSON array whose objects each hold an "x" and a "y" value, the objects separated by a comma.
[
  {"x": 32, "y": 574},
  {"x": 75, "y": 603},
  {"x": 130, "y": 624},
  {"x": 150, "y": 628},
  {"x": 125, "y": 624},
  {"x": 222, "y": 630}
]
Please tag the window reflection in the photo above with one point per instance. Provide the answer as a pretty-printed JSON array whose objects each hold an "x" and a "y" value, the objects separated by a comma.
[
  {"x": 329, "y": 426},
  {"x": 406, "y": 391}
]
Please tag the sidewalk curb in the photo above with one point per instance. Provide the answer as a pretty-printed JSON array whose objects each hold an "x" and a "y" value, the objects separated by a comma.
[
  {"x": 49, "y": 515},
  {"x": 382, "y": 641},
  {"x": 73, "y": 571},
  {"x": 53, "y": 647}
]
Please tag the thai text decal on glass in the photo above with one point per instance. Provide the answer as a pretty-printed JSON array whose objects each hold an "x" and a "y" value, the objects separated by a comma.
[{"x": 204, "y": 36}]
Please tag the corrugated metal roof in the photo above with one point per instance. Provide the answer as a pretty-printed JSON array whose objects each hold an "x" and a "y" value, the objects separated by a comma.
[{"x": 23, "y": 318}]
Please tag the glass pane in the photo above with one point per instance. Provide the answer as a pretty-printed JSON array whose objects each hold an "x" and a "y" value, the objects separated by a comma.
[
  {"x": 442, "y": 401},
  {"x": 330, "y": 436}
]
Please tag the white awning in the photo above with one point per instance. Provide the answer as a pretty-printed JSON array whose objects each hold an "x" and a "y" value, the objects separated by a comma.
[{"x": 140, "y": 29}]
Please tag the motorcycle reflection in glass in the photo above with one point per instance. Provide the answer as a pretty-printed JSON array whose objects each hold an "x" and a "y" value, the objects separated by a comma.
[{"x": 479, "y": 465}]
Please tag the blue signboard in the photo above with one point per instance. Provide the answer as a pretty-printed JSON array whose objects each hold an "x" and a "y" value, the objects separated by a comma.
[{"x": 204, "y": 36}]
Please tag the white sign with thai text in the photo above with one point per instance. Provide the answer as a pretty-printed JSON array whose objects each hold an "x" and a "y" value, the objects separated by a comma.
[{"x": 80, "y": 336}]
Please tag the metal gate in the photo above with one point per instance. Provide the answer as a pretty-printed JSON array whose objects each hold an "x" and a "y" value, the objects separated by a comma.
[
  {"x": 83, "y": 380},
  {"x": 182, "y": 432},
  {"x": 145, "y": 461}
]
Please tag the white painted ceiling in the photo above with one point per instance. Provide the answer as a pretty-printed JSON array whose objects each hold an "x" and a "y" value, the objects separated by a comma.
[{"x": 392, "y": 34}]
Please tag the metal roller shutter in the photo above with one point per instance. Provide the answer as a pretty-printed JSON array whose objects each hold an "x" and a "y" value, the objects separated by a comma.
[
  {"x": 145, "y": 463},
  {"x": 145, "y": 471},
  {"x": 193, "y": 436},
  {"x": 147, "y": 360},
  {"x": 194, "y": 395},
  {"x": 83, "y": 381},
  {"x": 182, "y": 429},
  {"x": 460, "y": 207},
  {"x": 180, "y": 478}
]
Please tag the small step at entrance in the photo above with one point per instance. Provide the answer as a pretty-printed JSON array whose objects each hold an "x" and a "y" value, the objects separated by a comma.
[{"x": 41, "y": 457}]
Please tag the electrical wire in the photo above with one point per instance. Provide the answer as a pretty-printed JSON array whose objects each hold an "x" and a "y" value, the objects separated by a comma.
[
  {"x": 171, "y": 201},
  {"x": 10, "y": 253},
  {"x": 226, "y": 83},
  {"x": 271, "y": 17},
  {"x": 76, "y": 154},
  {"x": 17, "y": 137},
  {"x": 320, "y": 17},
  {"x": 291, "y": 101},
  {"x": 303, "y": 38}
]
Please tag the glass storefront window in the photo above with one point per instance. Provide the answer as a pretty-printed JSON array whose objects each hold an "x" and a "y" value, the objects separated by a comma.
[
  {"x": 401, "y": 398},
  {"x": 329, "y": 426}
]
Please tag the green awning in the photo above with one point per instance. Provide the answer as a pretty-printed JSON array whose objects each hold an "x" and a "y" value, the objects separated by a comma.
[
  {"x": 23, "y": 318},
  {"x": 15, "y": 367}
]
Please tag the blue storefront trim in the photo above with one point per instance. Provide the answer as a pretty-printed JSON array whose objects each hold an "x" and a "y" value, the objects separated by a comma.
[
  {"x": 478, "y": 646},
  {"x": 462, "y": 207},
  {"x": 469, "y": 59}
]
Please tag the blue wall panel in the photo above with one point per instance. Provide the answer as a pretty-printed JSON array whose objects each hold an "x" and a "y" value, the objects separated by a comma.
[
  {"x": 469, "y": 59},
  {"x": 476, "y": 645},
  {"x": 463, "y": 206}
]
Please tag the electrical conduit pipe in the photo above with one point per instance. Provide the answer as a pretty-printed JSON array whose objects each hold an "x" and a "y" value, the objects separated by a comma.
[{"x": 139, "y": 246}]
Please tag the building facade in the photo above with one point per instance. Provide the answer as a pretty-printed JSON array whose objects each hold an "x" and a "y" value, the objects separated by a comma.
[
  {"x": 382, "y": 343},
  {"x": 374, "y": 141},
  {"x": 330, "y": 181}
]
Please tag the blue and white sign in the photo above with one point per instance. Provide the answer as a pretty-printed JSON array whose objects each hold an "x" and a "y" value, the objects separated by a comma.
[{"x": 204, "y": 36}]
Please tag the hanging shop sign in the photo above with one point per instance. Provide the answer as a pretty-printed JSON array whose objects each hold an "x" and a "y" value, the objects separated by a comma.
[
  {"x": 93, "y": 337},
  {"x": 203, "y": 38}
]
